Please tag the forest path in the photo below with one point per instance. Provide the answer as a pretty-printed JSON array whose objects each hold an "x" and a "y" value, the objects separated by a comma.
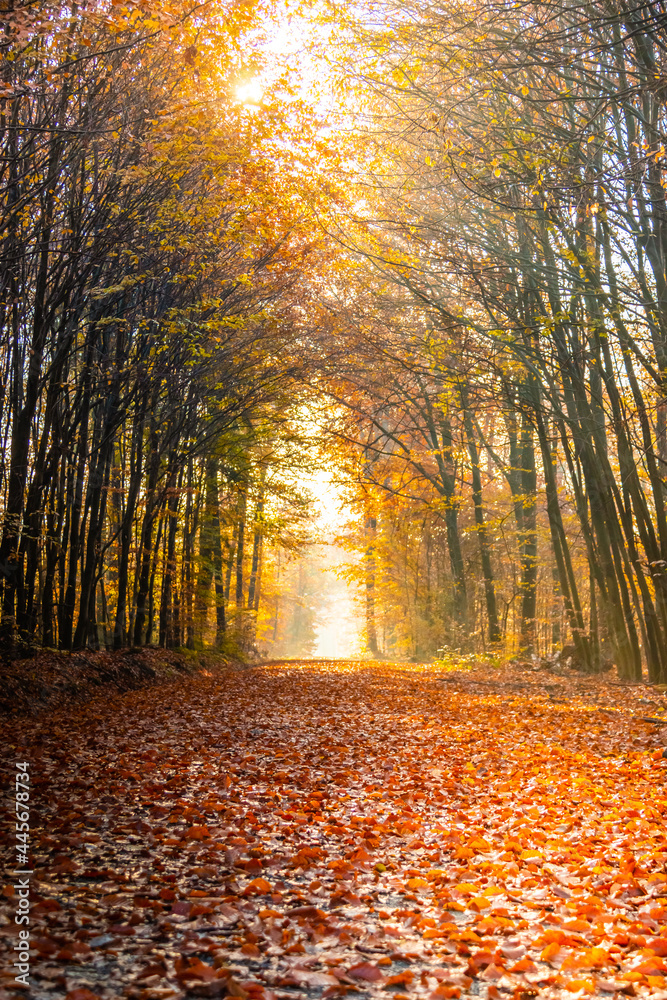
[{"x": 314, "y": 829}]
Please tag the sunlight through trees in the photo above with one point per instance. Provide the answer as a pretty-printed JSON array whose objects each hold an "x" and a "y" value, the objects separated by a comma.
[{"x": 439, "y": 230}]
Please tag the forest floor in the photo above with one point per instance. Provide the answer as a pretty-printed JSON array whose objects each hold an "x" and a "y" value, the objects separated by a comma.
[
  {"x": 321, "y": 829},
  {"x": 49, "y": 679}
]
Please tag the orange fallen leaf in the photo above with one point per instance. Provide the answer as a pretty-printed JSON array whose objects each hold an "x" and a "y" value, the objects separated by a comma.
[
  {"x": 550, "y": 952},
  {"x": 258, "y": 885},
  {"x": 492, "y": 972},
  {"x": 524, "y": 965},
  {"x": 197, "y": 833},
  {"x": 366, "y": 971},
  {"x": 658, "y": 946},
  {"x": 651, "y": 967},
  {"x": 575, "y": 985},
  {"x": 400, "y": 979},
  {"x": 194, "y": 969}
]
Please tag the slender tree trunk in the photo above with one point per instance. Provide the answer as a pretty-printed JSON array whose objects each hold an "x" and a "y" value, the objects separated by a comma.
[
  {"x": 231, "y": 556},
  {"x": 528, "y": 539},
  {"x": 96, "y": 501},
  {"x": 167, "y": 636},
  {"x": 187, "y": 587},
  {"x": 146, "y": 545},
  {"x": 480, "y": 523},
  {"x": 125, "y": 538},
  {"x": 155, "y": 556},
  {"x": 243, "y": 499},
  {"x": 566, "y": 579},
  {"x": 370, "y": 574},
  {"x": 76, "y": 505}
]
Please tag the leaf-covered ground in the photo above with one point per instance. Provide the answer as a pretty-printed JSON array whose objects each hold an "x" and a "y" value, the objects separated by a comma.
[{"x": 320, "y": 829}]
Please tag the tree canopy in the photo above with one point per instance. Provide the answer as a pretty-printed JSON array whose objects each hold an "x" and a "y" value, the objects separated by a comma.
[{"x": 430, "y": 253}]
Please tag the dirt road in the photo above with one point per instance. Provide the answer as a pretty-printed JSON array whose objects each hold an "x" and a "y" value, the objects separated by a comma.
[{"x": 316, "y": 829}]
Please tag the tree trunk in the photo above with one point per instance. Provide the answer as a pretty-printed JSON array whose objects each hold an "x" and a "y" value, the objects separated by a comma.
[
  {"x": 243, "y": 499},
  {"x": 480, "y": 522},
  {"x": 370, "y": 573}
]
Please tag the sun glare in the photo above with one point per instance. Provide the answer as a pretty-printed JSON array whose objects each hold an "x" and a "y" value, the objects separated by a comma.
[{"x": 250, "y": 93}]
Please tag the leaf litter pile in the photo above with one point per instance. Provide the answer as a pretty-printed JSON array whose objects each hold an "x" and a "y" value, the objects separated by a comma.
[{"x": 325, "y": 829}]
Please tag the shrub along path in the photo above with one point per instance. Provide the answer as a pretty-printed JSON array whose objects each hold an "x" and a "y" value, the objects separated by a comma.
[{"x": 318, "y": 829}]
